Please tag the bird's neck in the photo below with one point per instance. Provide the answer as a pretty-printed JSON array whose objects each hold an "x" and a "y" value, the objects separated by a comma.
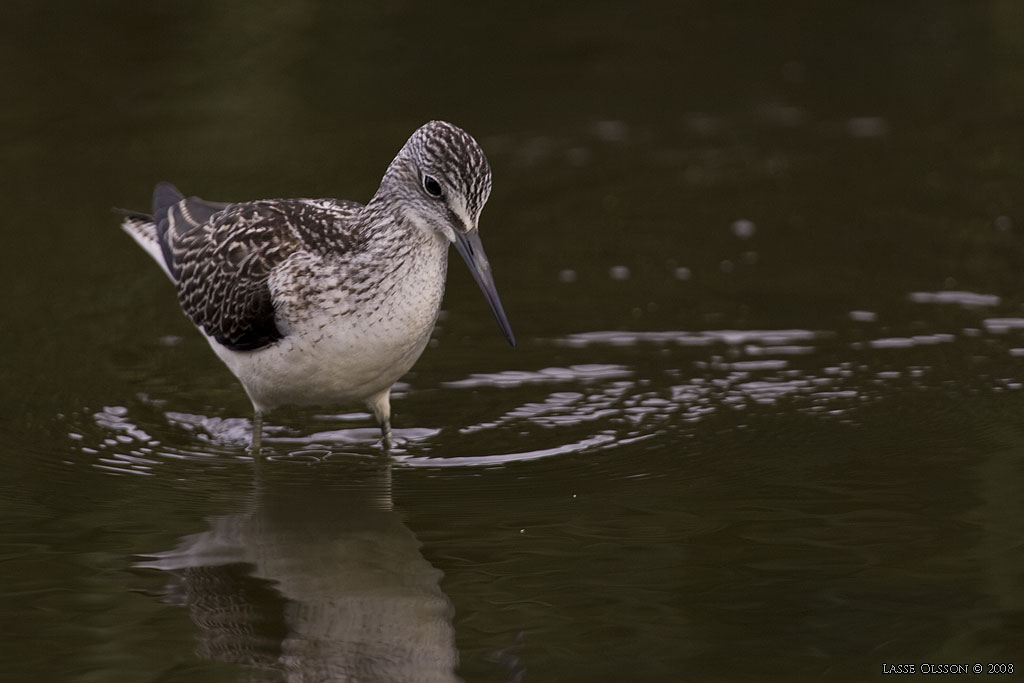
[
  {"x": 397, "y": 234},
  {"x": 407, "y": 263},
  {"x": 393, "y": 227}
]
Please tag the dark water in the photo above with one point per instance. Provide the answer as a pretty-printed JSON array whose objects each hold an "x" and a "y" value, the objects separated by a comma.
[{"x": 765, "y": 421}]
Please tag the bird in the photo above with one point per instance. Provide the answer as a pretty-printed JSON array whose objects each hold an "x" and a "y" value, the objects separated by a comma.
[{"x": 327, "y": 301}]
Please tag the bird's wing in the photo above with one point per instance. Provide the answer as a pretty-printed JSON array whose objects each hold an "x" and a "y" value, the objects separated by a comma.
[{"x": 222, "y": 255}]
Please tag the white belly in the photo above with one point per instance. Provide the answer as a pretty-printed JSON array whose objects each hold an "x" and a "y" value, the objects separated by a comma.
[
  {"x": 337, "y": 366},
  {"x": 338, "y": 348}
]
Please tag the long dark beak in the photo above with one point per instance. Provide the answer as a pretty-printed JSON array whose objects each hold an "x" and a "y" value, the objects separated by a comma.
[{"x": 472, "y": 251}]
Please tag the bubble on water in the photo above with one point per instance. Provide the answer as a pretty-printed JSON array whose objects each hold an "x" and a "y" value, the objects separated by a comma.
[
  {"x": 567, "y": 275},
  {"x": 1004, "y": 222},
  {"x": 619, "y": 273},
  {"x": 682, "y": 273},
  {"x": 743, "y": 228},
  {"x": 863, "y": 316}
]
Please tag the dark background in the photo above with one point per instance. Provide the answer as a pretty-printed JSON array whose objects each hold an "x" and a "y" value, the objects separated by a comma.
[{"x": 652, "y": 507}]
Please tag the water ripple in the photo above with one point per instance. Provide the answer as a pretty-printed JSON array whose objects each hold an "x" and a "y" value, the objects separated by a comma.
[
  {"x": 965, "y": 299},
  {"x": 687, "y": 338},
  {"x": 696, "y": 377},
  {"x": 1002, "y": 325},
  {"x": 113, "y": 440},
  {"x": 516, "y": 378},
  {"x": 596, "y": 441},
  {"x": 907, "y": 342}
]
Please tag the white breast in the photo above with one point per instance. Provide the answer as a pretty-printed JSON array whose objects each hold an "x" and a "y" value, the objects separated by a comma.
[{"x": 351, "y": 328}]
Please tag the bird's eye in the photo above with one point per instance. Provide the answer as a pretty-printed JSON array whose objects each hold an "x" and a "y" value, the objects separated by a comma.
[{"x": 431, "y": 186}]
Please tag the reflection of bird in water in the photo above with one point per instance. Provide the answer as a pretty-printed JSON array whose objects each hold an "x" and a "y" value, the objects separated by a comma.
[
  {"x": 315, "y": 584},
  {"x": 320, "y": 301}
]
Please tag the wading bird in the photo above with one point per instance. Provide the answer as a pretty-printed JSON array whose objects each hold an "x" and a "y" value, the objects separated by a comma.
[{"x": 323, "y": 301}]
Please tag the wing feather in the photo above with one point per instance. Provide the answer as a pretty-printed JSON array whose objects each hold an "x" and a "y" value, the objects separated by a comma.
[{"x": 221, "y": 257}]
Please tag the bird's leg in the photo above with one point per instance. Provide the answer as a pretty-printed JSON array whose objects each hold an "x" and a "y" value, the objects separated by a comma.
[
  {"x": 257, "y": 433},
  {"x": 380, "y": 404}
]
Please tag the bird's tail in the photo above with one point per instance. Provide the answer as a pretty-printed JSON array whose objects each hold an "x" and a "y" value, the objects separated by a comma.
[{"x": 141, "y": 228}]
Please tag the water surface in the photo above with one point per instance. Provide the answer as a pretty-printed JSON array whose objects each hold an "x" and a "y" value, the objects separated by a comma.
[{"x": 764, "y": 421}]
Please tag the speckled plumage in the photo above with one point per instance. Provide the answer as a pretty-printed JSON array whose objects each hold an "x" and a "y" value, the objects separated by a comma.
[{"x": 314, "y": 301}]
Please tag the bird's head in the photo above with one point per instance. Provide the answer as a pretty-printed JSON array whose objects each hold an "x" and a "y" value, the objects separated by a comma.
[
  {"x": 446, "y": 178},
  {"x": 440, "y": 181}
]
